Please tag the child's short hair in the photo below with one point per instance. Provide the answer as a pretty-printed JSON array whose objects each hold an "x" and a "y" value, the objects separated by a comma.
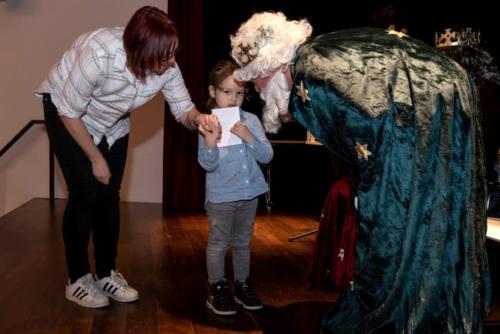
[{"x": 221, "y": 70}]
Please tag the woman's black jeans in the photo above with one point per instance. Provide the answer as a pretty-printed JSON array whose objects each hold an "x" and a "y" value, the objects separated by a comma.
[{"x": 92, "y": 206}]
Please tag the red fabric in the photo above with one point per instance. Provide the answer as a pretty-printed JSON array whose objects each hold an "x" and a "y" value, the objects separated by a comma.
[
  {"x": 183, "y": 178},
  {"x": 332, "y": 263}
]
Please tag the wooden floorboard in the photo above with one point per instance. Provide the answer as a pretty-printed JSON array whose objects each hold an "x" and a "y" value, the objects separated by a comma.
[{"x": 164, "y": 258}]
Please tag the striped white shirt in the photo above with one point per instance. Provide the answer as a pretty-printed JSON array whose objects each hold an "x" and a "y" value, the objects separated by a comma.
[{"x": 92, "y": 82}]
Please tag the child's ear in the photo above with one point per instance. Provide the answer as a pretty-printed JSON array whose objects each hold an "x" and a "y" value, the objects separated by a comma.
[{"x": 211, "y": 91}]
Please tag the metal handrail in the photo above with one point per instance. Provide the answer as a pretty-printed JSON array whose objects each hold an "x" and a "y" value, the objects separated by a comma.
[{"x": 51, "y": 156}]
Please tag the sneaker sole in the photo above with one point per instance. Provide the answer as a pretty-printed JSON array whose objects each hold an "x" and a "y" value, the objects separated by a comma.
[
  {"x": 122, "y": 300},
  {"x": 218, "y": 312},
  {"x": 86, "y": 304},
  {"x": 247, "y": 307}
]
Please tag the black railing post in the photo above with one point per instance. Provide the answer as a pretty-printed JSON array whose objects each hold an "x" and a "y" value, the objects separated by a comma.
[{"x": 51, "y": 177}]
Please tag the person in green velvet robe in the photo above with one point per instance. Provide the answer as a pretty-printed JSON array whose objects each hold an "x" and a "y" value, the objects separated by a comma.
[{"x": 405, "y": 118}]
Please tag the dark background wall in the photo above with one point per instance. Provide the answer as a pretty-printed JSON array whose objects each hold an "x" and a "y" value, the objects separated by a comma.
[
  {"x": 223, "y": 17},
  {"x": 301, "y": 175}
]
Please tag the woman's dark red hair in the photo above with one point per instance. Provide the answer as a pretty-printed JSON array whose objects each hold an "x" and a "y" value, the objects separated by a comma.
[{"x": 150, "y": 36}]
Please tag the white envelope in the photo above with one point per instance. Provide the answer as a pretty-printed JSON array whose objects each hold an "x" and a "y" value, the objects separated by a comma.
[{"x": 227, "y": 118}]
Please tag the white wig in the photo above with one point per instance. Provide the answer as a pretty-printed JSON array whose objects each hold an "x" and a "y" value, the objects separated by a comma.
[{"x": 265, "y": 42}]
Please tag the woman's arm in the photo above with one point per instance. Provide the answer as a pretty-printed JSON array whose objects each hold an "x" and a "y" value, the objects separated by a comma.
[{"x": 80, "y": 134}]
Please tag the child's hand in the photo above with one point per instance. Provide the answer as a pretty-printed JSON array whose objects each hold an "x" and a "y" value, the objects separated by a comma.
[
  {"x": 209, "y": 122},
  {"x": 211, "y": 134},
  {"x": 242, "y": 131}
]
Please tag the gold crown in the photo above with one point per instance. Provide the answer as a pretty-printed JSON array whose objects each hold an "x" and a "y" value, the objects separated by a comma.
[
  {"x": 457, "y": 37},
  {"x": 245, "y": 53}
]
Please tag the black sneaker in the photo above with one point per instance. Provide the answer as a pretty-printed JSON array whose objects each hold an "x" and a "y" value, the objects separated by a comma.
[
  {"x": 246, "y": 296},
  {"x": 219, "y": 299}
]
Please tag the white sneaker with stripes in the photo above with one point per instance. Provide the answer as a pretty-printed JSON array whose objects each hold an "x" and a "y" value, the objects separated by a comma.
[
  {"x": 116, "y": 287},
  {"x": 85, "y": 293}
]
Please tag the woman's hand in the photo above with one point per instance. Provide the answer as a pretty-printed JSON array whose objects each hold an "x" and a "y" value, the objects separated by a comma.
[
  {"x": 241, "y": 130},
  {"x": 81, "y": 135},
  {"x": 101, "y": 171}
]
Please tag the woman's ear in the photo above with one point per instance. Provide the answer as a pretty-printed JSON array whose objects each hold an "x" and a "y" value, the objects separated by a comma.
[{"x": 211, "y": 91}]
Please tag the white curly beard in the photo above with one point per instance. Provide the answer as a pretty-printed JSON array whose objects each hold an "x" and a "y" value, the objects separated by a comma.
[{"x": 275, "y": 95}]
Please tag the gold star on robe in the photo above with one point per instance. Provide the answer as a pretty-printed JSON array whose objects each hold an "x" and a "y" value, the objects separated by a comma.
[
  {"x": 362, "y": 151},
  {"x": 397, "y": 33},
  {"x": 302, "y": 92}
]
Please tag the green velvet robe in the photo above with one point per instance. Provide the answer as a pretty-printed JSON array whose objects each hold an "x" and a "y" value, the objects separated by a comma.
[{"x": 406, "y": 118}]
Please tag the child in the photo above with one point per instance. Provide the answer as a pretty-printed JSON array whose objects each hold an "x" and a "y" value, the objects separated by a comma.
[{"x": 234, "y": 181}]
